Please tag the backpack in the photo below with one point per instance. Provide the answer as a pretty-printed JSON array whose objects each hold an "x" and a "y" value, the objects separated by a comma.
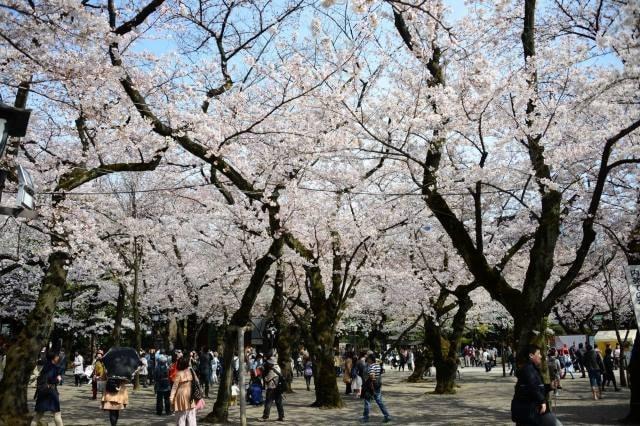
[
  {"x": 163, "y": 377},
  {"x": 308, "y": 370},
  {"x": 281, "y": 386}
]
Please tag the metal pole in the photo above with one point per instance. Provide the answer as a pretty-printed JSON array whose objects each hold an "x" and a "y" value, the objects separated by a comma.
[
  {"x": 504, "y": 365},
  {"x": 241, "y": 359}
]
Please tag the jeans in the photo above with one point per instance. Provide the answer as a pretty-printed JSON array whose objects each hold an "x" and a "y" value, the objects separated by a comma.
[
  {"x": 377, "y": 396},
  {"x": 273, "y": 396},
  {"x": 595, "y": 378},
  {"x": 163, "y": 397}
]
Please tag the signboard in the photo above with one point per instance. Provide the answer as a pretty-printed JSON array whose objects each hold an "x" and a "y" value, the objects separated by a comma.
[{"x": 633, "y": 278}]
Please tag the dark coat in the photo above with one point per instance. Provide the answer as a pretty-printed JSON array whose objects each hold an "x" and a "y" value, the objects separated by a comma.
[
  {"x": 591, "y": 361},
  {"x": 48, "y": 400},
  {"x": 161, "y": 378},
  {"x": 204, "y": 364},
  {"x": 529, "y": 395}
]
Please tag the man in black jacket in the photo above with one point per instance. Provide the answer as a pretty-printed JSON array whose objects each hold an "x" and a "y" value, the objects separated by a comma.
[{"x": 529, "y": 406}]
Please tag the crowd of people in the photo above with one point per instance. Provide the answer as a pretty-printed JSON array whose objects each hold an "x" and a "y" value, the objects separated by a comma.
[
  {"x": 182, "y": 381},
  {"x": 176, "y": 376},
  {"x": 177, "y": 380}
]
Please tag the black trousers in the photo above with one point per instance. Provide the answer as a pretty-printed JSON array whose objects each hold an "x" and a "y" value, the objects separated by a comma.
[
  {"x": 113, "y": 417},
  {"x": 163, "y": 397},
  {"x": 204, "y": 381},
  {"x": 273, "y": 396}
]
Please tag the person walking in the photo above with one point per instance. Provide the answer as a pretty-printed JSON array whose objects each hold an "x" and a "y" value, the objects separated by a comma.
[
  {"x": 609, "y": 365},
  {"x": 553, "y": 364},
  {"x": 410, "y": 360},
  {"x": 372, "y": 389},
  {"x": 143, "y": 371},
  {"x": 115, "y": 398},
  {"x": 236, "y": 368},
  {"x": 590, "y": 362},
  {"x": 181, "y": 400},
  {"x": 274, "y": 392},
  {"x": 162, "y": 386},
  {"x": 151, "y": 360},
  {"x": 529, "y": 406},
  {"x": 78, "y": 368},
  {"x": 486, "y": 359},
  {"x": 580, "y": 358},
  {"x": 62, "y": 366},
  {"x": 204, "y": 369},
  {"x": 215, "y": 365},
  {"x": 356, "y": 378},
  {"x": 308, "y": 373},
  {"x": 99, "y": 375},
  {"x": 346, "y": 377},
  {"x": 47, "y": 396}
]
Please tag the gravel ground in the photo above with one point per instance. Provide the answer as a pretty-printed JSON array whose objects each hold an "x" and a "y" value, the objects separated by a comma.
[{"x": 482, "y": 398}]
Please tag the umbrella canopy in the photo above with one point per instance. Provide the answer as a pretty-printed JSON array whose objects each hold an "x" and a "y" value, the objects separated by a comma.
[{"x": 121, "y": 363}]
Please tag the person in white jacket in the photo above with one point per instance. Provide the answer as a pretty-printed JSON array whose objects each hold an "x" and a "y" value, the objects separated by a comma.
[{"x": 78, "y": 368}]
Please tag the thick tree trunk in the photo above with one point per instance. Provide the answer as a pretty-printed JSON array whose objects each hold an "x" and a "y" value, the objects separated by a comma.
[
  {"x": 421, "y": 362},
  {"x": 323, "y": 336},
  {"x": 446, "y": 376},
  {"x": 193, "y": 328},
  {"x": 21, "y": 357},
  {"x": 529, "y": 328},
  {"x": 326, "y": 385},
  {"x": 117, "y": 322},
  {"x": 633, "y": 258},
  {"x": 181, "y": 338},
  {"x": 134, "y": 305},
  {"x": 284, "y": 335},
  {"x": 220, "y": 411},
  {"x": 240, "y": 318}
]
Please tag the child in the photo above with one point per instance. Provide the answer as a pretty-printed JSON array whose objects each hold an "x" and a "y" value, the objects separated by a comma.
[{"x": 235, "y": 391}]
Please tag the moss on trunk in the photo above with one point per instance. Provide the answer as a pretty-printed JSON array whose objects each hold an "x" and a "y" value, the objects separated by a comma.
[{"x": 34, "y": 335}]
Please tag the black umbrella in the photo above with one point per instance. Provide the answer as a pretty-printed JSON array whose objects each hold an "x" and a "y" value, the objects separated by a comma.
[{"x": 121, "y": 363}]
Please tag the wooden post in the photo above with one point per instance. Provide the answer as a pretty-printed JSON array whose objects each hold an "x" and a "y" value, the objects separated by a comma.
[{"x": 241, "y": 394}]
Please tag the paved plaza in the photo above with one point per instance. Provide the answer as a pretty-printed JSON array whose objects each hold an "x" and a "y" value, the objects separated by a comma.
[{"x": 482, "y": 398}]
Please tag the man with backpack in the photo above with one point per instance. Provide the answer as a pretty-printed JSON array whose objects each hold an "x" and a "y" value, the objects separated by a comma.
[{"x": 276, "y": 385}]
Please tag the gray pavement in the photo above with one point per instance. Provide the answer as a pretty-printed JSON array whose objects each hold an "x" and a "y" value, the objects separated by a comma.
[{"x": 482, "y": 398}]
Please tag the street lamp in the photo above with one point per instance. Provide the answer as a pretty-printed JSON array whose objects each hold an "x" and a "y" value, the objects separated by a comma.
[{"x": 13, "y": 122}]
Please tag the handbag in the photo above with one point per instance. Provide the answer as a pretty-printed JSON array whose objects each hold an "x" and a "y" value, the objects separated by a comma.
[
  {"x": 200, "y": 404},
  {"x": 196, "y": 391}
]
